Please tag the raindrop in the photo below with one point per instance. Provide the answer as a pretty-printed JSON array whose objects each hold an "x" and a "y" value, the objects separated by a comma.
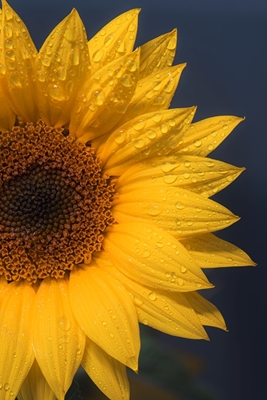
[
  {"x": 183, "y": 269},
  {"x": 138, "y": 143},
  {"x": 64, "y": 323},
  {"x": 108, "y": 40},
  {"x": 197, "y": 143},
  {"x": 120, "y": 138},
  {"x": 145, "y": 254},
  {"x": 97, "y": 56},
  {"x": 152, "y": 296}
]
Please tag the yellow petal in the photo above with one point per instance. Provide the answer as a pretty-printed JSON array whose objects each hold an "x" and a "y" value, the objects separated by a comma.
[
  {"x": 106, "y": 313},
  {"x": 58, "y": 340},
  {"x": 17, "y": 65},
  {"x": 208, "y": 314},
  {"x": 149, "y": 255},
  {"x": 154, "y": 92},
  {"x": 7, "y": 116},
  {"x": 61, "y": 67},
  {"x": 103, "y": 99},
  {"x": 114, "y": 40},
  {"x": 211, "y": 252},
  {"x": 165, "y": 311},
  {"x": 204, "y": 136},
  {"x": 146, "y": 136},
  {"x": 106, "y": 372},
  {"x": 176, "y": 210},
  {"x": 158, "y": 53},
  {"x": 16, "y": 353},
  {"x": 35, "y": 386},
  {"x": 197, "y": 174}
]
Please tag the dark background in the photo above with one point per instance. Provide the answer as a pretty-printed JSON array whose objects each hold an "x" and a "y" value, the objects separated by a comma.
[{"x": 224, "y": 45}]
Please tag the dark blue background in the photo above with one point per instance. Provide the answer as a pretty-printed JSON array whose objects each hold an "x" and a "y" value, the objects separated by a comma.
[{"x": 224, "y": 44}]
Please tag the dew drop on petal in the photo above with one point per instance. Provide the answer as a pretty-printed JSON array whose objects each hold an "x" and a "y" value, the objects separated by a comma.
[{"x": 152, "y": 296}]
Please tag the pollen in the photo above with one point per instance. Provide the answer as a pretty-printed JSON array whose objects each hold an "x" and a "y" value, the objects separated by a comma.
[{"x": 55, "y": 203}]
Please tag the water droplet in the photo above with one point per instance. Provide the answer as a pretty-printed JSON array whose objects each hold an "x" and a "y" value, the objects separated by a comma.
[
  {"x": 74, "y": 56},
  {"x": 180, "y": 281},
  {"x": 131, "y": 66},
  {"x": 145, "y": 321},
  {"x": 138, "y": 143},
  {"x": 8, "y": 14},
  {"x": 100, "y": 97},
  {"x": 56, "y": 92},
  {"x": 64, "y": 323},
  {"x": 197, "y": 143},
  {"x": 15, "y": 79},
  {"x": 104, "y": 323},
  {"x": 138, "y": 301},
  {"x": 169, "y": 178},
  {"x": 6, "y": 386},
  {"x": 164, "y": 128},
  {"x": 61, "y": 73},
  {"x": 131, "y": 28},
  {"x": 64, "y": 339},
  {"x": 108, "y": 40},
  {"x": 152, "y": 296},
  {"x": 146, "y": 253},
  {"x": 120, "y": 137},
  {"x": 97, "y": 56},
  {"x": 172, "y": 43},
  {"x": 46, "y": 61},
  {"x": 183, "y": 269},
  {"x": 8, "y": 44},
  {"x": 10, "y": 54},
  {"x": 154, "y": 210},
  {"x": 8, "y": 31},
  {"x": 179, "y": 205},
  {"x": 126, "y": 81},
  {"x": 189, "y": 223},
  {"x": 139, "y": 125}
]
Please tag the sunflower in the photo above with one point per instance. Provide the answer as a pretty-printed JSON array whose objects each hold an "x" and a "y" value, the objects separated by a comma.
[{"x": 105, "y": 216}]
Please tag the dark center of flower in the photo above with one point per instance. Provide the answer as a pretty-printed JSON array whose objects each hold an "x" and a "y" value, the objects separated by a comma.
[{"x": 54, "y": 203}]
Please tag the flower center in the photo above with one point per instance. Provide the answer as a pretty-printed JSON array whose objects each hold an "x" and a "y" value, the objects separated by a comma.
[{"x": 54, "y": 203}]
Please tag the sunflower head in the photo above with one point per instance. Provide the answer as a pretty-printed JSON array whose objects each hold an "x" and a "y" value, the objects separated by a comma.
[{"x": 106, "y": 219}]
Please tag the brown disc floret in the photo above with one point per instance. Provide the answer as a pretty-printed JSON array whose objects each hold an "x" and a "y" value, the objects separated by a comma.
[{"x": 54, "y": 203}]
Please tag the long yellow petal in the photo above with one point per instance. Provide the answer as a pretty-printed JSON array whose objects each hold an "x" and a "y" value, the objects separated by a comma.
[
  {"x": 35, "y": 386},
  {"x": 17, "y": 60},
  {"x": 165, "y": 311},
  {"x": 204, "y": 136},
  {"x": 144, "y": 137},
  {"x": 177, "y": 210},
  {"x": 147, "y": 254},
  {"x": 61, "y": 66},
  {"x": 197, "y": 174},
  {"x": 158, "y": 53},
  {"x": 16, "y": 355},
  {"x": 211, "y": 252},
  {"x": 154, "y": 92},
  {"x": 114, "y": 40},
  {"x": 57, "y": 339},
  {"x": 208, "y": 314},
  {"x": 103, "y": 99},
  {"x": 106, "y": 372},
  {"x": 106, "y": 313}
]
